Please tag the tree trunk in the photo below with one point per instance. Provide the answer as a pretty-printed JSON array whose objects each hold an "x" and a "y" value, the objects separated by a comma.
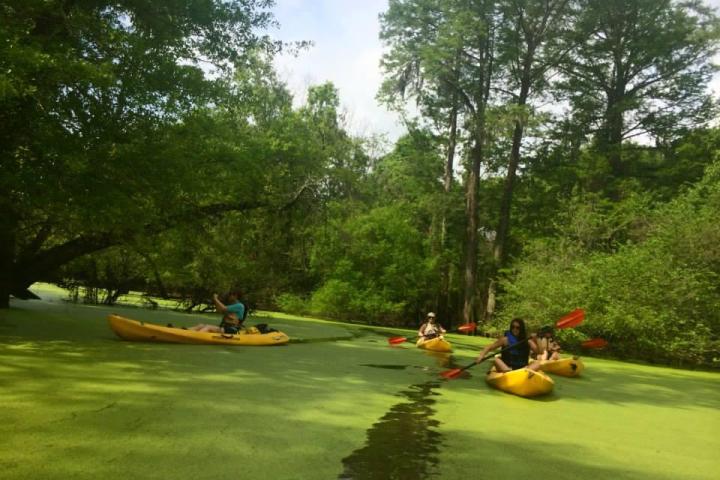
[
  {"x": 471, "y": 232},
  {"x": 471, "y": 211},
  {"x": 18, "y": 272},
  {"x": 7, "y": 254},
  {"x": 611, "y": 143},
  {"x": 503, "y": 230},
  {"x": 612, "y": 129},
  {"x": 443, "y": 300}
]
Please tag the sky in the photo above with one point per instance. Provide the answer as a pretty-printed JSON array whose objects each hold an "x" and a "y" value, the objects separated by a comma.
[{"x": 347, "y": 52}]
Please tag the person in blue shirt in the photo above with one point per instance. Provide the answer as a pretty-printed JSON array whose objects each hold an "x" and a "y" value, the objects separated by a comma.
[
  {"x": 516, "y": 357},
  {"x": 232, "y": 318}
]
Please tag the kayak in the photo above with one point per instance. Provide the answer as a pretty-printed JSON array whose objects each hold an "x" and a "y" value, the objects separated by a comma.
[
  {"x": 566, "y": 367},
  {"x": 523, "y": 382},
  {"x": 437, "y": 344},
  {"x": 137, "y": 331}
]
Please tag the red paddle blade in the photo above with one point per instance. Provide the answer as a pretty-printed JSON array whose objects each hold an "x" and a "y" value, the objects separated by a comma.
[
  {"x": 594, "y": 343},
  {"x": 451, "y": 373},
  {"x": 572, "y": 319},
  {"x": 396, "y": 340},
  {"x": 467, "y": 327}
]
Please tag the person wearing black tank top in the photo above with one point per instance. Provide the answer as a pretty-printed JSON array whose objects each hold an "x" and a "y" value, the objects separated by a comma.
[{"x": 516, "y": 357}]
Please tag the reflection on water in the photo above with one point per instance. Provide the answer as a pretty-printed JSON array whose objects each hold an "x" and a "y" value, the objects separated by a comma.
[
  {"x": 443, "y": 359},
  {"x": 388, "y": 367},
  {"x": 403, "y": 444}
]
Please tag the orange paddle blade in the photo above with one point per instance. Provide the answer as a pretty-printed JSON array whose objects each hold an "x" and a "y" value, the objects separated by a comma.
[
  {"x": 594, "y": 343},
  {"x": 467, "y": 327},
  {"x": 396, "y": 340},
  {"x": 451, "y": 373},
  {"x": 572, "y": 319}
]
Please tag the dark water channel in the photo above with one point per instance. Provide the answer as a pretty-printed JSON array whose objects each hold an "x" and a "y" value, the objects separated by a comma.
[{"x": 404, "y": 443}]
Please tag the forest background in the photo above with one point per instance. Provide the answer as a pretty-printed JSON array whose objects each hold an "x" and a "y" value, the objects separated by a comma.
[{"x": 559, "y": 154}]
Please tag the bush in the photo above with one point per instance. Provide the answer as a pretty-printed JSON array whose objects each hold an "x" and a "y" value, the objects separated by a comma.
[
  {"x": 657, "y": 299},
  {"x": 291, "y": 303}
]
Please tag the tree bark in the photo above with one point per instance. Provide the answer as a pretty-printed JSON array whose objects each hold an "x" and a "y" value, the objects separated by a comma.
[
  {"x": 471, "y": 232},
  {"x": 17, "y": 273},
  {"x": 9, "y": 222},
  {"x": 443, "y": 300}
]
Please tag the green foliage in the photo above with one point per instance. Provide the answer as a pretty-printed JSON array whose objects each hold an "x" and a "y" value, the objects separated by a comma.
[
  {"x": 656, "y": 299},
  {"x": 375, "y": 266},
  {"x": 291, "y": 303},
  {"x": 640, "y": 67},
  {"x": 104, "y": 108}
]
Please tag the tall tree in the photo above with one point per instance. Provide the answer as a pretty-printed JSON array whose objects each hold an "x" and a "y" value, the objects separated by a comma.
[
  {"x": 407, "y": 28},
  {"x": 450, "y": 45},
  {"x": 529, "y": 46},
  {"x": 90, "y": 97},
  {"x": 641, "y": 68}
]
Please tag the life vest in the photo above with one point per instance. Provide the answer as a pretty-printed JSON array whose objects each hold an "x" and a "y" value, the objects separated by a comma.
[
  {"x": 430, "y": 331},
  {"x": 516, "y": 357}
]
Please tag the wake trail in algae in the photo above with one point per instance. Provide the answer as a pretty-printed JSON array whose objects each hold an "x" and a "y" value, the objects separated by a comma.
[{"x": 403, "y": 444}]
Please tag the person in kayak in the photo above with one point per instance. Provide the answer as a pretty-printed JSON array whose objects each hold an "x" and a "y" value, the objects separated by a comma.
[
  {"x": 516, "y": 357},
  {"x": 232, "y": 319},
  {"x": 430, "y": 329},
  {"x": 547, "y": 347}
]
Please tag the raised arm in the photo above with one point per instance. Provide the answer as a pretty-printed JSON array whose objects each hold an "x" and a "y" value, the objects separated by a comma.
[
  {"x": 219, "y": 306},
  {"x": 532, "y": 342}
]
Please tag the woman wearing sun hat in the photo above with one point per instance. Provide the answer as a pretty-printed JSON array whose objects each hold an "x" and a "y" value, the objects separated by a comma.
[{"x": 430, "y": 329}]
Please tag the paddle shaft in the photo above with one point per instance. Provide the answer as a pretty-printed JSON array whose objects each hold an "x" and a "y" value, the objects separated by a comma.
[
  {"x": 398, "y": 340},
  {"x": 490, "y": 355}
]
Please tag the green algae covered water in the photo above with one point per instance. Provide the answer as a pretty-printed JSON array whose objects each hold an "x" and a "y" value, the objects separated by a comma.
[{"x": 79, "y": 403}]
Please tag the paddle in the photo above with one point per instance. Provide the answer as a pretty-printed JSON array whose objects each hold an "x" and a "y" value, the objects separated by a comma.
[
  {"x": 398, "y": 340},
  {"x": 466, "y": 327},
  {"x": 594, "y": 343},
  {"x": 572, "y": 319}
]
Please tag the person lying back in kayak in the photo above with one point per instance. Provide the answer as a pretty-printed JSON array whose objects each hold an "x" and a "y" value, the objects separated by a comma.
[
  {"x": 516, "y": 357},
  {"x": 547, "y": 347},
  {"x": 233, "y": 316},
  {"x": 430, "y": 329}
]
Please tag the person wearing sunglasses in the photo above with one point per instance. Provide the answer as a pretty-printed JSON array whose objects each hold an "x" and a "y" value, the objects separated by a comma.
[
  {"x": 430, "y": 329},
  {"x": 547, "y": 347},
  {"x": 517, "y": 356}
]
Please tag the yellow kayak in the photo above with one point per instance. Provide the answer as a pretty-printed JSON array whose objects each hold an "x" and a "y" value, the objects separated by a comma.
[
  {"x": 566, "y": 367},
  {"x": 134, "y": 330},
  {"x": 522, "y": 382},
  {"x": 437, "y": 344}
]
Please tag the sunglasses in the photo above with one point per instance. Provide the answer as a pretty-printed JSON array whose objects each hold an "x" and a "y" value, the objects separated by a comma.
[{"x": 515, "y": 327}]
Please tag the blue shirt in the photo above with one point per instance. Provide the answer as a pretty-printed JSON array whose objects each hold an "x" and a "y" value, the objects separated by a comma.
[{"x": 238, "y": 309}]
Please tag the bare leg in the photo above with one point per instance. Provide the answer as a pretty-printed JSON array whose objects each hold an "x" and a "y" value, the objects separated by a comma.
[
  {"x": 555, "y": 356},
  {"x": 534, "y": 366},
  {"x": 210, "y": 328},
  {"x": 501, "y": 366}
]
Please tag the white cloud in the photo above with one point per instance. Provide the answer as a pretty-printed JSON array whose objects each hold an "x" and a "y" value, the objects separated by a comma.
[{"x": 346, "y": 52}]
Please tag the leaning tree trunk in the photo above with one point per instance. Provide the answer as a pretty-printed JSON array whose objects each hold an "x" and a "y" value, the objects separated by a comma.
[{"x": 503, "y": 230}]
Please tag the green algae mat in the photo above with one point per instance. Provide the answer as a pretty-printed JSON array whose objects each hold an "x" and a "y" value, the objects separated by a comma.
[{"x": 339, "y": 402}]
